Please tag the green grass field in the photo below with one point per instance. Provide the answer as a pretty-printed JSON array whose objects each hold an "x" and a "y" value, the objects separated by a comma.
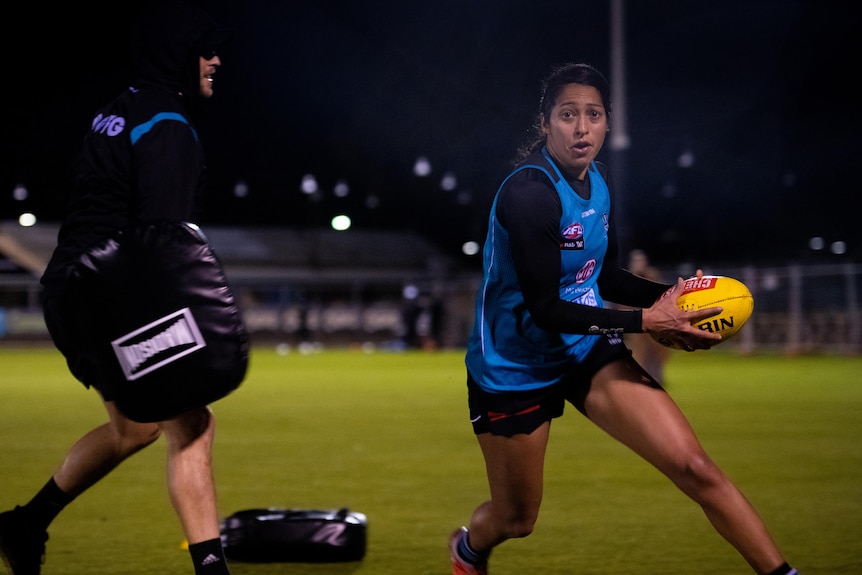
[{"x": 387, "y": 435}]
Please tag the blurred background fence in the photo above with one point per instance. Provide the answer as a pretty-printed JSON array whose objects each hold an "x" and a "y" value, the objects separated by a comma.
[{"x": 803, "y": 308}]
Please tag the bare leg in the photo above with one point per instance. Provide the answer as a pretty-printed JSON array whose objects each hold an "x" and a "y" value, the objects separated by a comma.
[
  {"x": 101, "y": 450},
  {"x": 190, "y": 479},
  {"x": 515, "y": 468},
  {"x": 649, "y": 422}
]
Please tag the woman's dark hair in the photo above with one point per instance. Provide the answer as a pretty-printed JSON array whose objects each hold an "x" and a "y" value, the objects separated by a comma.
[{"x": 560, "y": 77}]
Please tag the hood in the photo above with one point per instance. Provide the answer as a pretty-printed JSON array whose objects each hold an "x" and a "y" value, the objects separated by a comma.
[{"x": 167, "y": 40}]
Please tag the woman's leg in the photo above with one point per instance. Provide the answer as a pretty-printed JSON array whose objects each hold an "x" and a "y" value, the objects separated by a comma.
[
  {"x": 515, "y": 469},
  {"x": 649, "y": 422}
]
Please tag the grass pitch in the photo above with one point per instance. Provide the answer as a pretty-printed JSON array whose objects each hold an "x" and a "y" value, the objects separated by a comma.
[{"x": 387, "y": 435}]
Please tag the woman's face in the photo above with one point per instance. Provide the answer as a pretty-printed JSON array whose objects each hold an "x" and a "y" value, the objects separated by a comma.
[{"x": 576, "y": 128}]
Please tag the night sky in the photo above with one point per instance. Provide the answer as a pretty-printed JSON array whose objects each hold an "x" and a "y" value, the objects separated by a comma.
[{"x": 743, "y": 116}]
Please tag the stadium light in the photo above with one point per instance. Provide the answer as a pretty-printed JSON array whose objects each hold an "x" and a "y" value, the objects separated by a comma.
[
  {"x": 816, "y": 243},
  {"x": 309, "y": 184},
  {"x": 422, "y": 167},
  {"x": 340, "y": 222},
  {"x": 685, "y": 159},
  {"x": 240, "y": 189},
  {"x": 341, "y": 189},
  {"x": 20, "y": 193},
  {"x": 470, "y": 248},
  {"x": 449, "y": 182}
]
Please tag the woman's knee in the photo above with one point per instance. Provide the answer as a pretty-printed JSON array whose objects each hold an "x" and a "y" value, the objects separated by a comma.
[{"x": 698, "y": 474}]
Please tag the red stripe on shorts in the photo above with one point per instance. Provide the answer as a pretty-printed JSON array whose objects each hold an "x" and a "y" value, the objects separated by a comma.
[{"x": 497, "y": 416}]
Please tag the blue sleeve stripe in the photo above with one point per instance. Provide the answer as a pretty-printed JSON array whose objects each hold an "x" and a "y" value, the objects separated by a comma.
[{"x": 141, "y": 129}]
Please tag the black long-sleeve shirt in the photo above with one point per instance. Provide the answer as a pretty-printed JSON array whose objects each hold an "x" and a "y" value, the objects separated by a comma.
[{"x": 529, "y": 208}]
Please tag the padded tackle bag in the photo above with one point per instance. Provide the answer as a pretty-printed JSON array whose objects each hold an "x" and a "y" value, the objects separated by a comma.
[
  {"x": 273, "y": 535},
  {"x": 156, "y": 312}
]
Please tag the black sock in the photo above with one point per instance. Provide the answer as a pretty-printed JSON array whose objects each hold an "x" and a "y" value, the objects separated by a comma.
[
  {"x": 784, "y": 569},
  {"x": 46, "y": 505},
  {"x": 208, "y": 557}
]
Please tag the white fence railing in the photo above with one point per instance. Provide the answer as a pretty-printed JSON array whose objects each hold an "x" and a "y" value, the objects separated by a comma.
[
  {"x": 805, "y": 308},
  {"x": 802, "y": 308}
]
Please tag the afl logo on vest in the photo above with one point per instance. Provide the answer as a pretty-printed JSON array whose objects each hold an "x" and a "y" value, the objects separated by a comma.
[{"x": 573, "y": 237}]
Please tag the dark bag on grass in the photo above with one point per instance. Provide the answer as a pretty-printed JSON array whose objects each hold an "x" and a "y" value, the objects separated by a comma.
[
  {"x": 158, "y": 314},
  {"x": 294, "y": 535}
]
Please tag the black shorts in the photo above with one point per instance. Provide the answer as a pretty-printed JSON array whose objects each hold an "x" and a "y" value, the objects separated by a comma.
[{"x": 511, "y": 413}]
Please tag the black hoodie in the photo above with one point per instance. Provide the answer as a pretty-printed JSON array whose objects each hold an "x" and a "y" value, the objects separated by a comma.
[
  {"x": 141, "y": 161},
  {"x": 166, "y": 42}
]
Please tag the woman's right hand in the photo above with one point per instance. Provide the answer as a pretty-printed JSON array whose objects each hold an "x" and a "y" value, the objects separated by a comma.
[{"x": 665, "y": 321}]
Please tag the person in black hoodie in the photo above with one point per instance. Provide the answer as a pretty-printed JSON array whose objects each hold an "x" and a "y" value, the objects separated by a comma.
[{"x": 141, "y": 162}]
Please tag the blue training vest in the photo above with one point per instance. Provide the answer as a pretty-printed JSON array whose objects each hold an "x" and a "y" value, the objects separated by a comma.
[{"x": 506, "y": 350}]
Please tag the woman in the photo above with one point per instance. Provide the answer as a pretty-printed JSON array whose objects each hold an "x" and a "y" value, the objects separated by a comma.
[{"x": 543, "y": 337}]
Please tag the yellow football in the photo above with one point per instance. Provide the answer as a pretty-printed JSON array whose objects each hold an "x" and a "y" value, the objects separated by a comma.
[{"x": 710, "y": 291}]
